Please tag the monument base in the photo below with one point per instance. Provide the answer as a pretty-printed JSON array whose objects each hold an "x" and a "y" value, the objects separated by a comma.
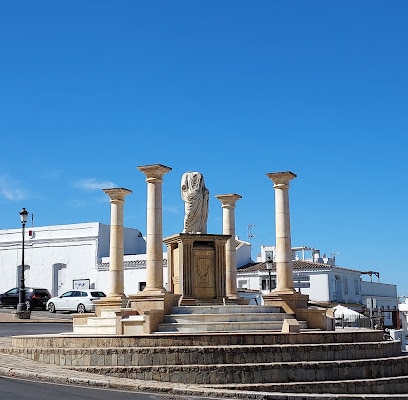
[
  {"x": 289, "y": 300},
  {"x": 109, "y": 303},
  {"x": 153, "y": 306},
  {"x": 196, "y": 266},
  {"x": 295, "y": 303}
]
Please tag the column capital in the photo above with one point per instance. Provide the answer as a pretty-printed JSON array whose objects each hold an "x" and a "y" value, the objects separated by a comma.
[
  {"x": 117, "y": 193},
  {"x": 154, "y": 171},
  {"x": 281, "y": 179},
  {"x": 228, "y": 200}
]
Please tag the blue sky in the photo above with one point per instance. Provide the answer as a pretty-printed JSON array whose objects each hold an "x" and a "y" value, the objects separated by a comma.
[{"x": 233, "y": 89}]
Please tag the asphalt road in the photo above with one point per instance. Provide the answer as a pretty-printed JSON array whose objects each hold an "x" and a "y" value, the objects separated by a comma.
[
  {"x": 34, "y": 328},
  {"x": 19, "y": 389}
]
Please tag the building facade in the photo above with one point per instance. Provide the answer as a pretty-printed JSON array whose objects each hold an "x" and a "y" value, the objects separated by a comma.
[
  {"x": 65, "y": 257},
  {"x": 61, "y": 257},
  {"x": 324, "y": 282}
]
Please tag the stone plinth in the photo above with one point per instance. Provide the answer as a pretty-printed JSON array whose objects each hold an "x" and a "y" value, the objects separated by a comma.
[
  {"x": 289, "y": 301},
  {"x": 153, "y": 306},
  {"x": 196, "y": 266}
]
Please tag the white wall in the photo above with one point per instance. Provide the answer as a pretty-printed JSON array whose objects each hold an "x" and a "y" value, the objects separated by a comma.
[
  {"x": 57, "y": 255},
  {"x": 319, "y": 288}
]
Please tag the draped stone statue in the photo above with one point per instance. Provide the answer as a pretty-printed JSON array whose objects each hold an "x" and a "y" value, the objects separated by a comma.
[{"x": 195, "y": 196}]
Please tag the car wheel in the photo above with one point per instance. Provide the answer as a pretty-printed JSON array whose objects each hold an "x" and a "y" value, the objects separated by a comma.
[
  {"x": 28, "y": 304},
  {"x": 81, "y": 308},
  {"x": 51, "y": 308}
]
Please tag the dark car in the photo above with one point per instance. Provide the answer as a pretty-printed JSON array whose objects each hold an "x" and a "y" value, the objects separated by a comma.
[{"x": 34, "y": 298}]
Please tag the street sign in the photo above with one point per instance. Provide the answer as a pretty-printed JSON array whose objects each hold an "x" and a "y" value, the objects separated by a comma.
[{"x": 299, "y": 285}]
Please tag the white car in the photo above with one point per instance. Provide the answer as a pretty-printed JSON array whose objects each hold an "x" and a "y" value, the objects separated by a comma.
[{"x": 79, "y": 301}]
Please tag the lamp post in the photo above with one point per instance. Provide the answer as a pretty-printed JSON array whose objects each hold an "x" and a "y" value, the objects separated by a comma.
[
  {"x": 269, "y": 266},
  {"x": 21, "y": 306}
]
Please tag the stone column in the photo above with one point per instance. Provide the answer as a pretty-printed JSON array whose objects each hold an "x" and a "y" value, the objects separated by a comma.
[
  {"x": 284, "y": 272},
  {"x": 154, "y": 230},
  {"x": 116, "y": 252},
  {"x": 228, "y": 228}
]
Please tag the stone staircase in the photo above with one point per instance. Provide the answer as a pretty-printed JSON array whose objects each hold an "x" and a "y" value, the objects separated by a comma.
[
  {"x": 225, "y": 318},
  {"x": 337, "y": 362},
  {"x": 204, "y": 318},
  {"x": 105, "y": 324}
]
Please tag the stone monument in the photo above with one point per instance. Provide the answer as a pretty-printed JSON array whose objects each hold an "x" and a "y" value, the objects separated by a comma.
[
  {"x": 196, "y": 259},
  {"x": 195, "y": 196}
]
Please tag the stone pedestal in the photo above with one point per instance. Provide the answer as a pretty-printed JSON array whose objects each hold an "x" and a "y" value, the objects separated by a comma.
[
  {"x": 153, "y": 306},
  {"x": 196, "y": 267},
  {"x": 289, "y": 301}
]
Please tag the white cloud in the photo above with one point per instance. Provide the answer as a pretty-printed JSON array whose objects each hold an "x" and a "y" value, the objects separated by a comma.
[
  {"x": 93, "y": 184},
  {"x": 10, "y": 191}
]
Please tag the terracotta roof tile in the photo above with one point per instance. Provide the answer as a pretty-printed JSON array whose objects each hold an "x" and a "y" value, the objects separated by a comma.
[{"x": 297, "y": 264}]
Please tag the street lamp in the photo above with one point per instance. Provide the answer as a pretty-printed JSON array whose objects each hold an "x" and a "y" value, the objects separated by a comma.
[
  {"x": 21, "y": 306},
  {"x": 269, "y": 266}
]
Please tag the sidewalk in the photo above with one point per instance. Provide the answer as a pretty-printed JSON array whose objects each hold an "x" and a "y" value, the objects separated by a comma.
[{"x": 8, "y": 315}]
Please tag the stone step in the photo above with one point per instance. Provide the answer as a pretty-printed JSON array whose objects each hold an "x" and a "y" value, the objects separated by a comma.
[
  {"x": 96, "y": 325},
  {"x": 281, "y": 372},
  {"x": 73, "y": 341},
  {"x": 202, "y": 355},
  {"x": 207, "y": 326},
  {"x": 349, "y": 362},
  {"x": 233, "y": 317},
  {"x": 101, "y": 321},
  {"x": 225, "y": 318},
  {"x": 107, "y": 313},
  {"x": 377, "y": 386},
  {"x": 227, "y": 309}
]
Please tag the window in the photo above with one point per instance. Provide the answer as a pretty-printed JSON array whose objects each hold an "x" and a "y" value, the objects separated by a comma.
[
  {"x": 357, "y": 286},
  {"x": 242, "y": 284}
]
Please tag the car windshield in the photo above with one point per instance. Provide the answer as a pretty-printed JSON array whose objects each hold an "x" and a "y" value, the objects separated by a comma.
[
  {"x": 98, "y": 294},
  {"x": 41, "y": 292}
]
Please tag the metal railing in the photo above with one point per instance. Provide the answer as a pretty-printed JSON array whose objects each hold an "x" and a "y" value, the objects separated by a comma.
[{"x": 351, "y": 321}]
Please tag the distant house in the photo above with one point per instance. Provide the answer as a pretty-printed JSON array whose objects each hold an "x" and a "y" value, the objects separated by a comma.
[
  {"x": 325, "y": 283},
  {"x": 403, "y": 309}
]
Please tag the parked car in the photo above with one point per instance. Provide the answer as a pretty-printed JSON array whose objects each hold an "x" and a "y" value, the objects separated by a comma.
[
  {"x": 34, "y": 298},
  {"x": 79, "y": 301}
]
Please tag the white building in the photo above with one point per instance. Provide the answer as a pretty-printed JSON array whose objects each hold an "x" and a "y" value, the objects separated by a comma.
[
  {"x": 325, "y": 283},
  {"x": 403, "y": 309},
  {"x": 63, "y": 257}
]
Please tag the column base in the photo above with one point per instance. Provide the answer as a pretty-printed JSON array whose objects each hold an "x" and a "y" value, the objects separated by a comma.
[
  {"x": 289, "y": 300},
  {"x": 109, "y": 302},
  {"x": 153, "y": 305}
]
